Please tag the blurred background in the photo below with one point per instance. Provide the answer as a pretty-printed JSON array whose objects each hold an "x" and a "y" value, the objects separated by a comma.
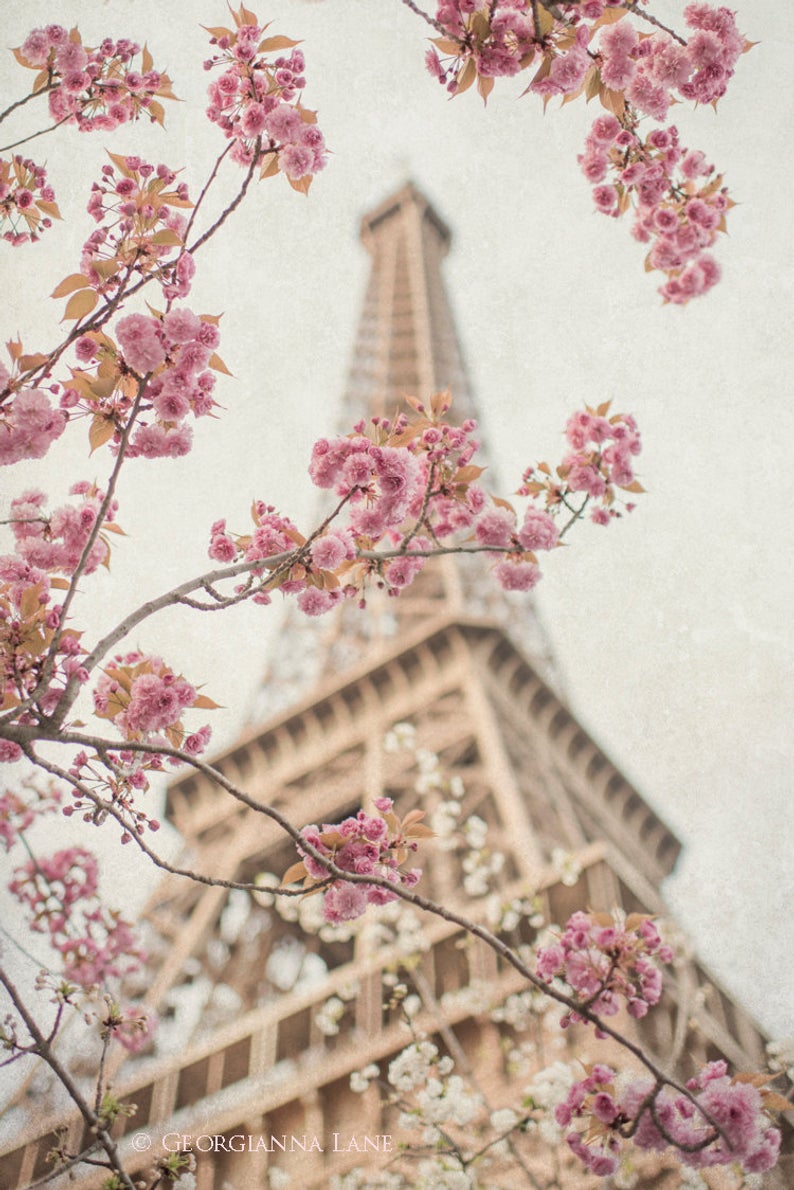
[{"x": 671, "y": 628}]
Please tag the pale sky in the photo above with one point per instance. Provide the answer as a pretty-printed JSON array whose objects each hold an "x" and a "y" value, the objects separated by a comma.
[{"x": 672, "y": 629}]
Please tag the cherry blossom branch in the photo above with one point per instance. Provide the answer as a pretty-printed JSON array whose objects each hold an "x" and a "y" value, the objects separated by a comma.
[
  {"x": 426, "y": 17},
  {"x": 12, "y": 107},
  {"x": 42, "y": 132},
  {"x": 95, "y": 322},
  {"x": 234, "y": 204},
  {"x": 103, "y": 315},
  {"x": 64, "y": 1165},
  {"x": 81, "y": 565},
  {"x": 633, "y": 7},
  {"x": 205, "y": 189},
  {"x": 577, "y": 514},
  {"x": 450, "y": 915},
  {"x": 45, "y": 1052},
  {"x": 456, "y": 1051},
  {"x": 108, "y": 808},
  {"x": 278, "y": 564}
]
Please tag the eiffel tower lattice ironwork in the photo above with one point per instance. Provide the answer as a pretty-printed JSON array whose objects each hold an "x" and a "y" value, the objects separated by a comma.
[{"x": 263, "y": 1023}]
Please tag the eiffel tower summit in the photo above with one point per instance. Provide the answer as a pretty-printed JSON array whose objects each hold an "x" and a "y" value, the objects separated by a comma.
[{"x": 282, "y": 1037}]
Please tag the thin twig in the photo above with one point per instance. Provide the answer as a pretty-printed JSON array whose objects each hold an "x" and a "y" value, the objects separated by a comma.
[
  {"x": 21, "y": 102},
  {"x": 426, "y": 17},
  {"x": 471, "y": 927},
  {"x": 45, "y": 1052},
  {"x": 77, "y": 574},
  {"x": 33, "y": 135},
  {"x": 205, "y": 189},
  {"x": 234, "y": 203},
  {"x": 632, "y": 6},
  {"x": 188, "y": 873}
]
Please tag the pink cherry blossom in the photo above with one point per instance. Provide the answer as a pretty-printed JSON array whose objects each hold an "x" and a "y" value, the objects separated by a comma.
[
  {"x": 539, "y": 531},
  {"x": 143, "y": 348}
]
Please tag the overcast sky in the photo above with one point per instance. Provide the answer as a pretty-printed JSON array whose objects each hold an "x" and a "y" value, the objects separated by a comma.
[{"x": 672, "y": 629}]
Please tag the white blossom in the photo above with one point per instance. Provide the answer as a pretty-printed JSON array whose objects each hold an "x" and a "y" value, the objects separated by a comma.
[
  {"x": 360, "y": 1079},
  {"x": 550, "y": 1085},
  {"x": 444, "y": 821},
  {"x": 475, "y": 998},
  {"x": 625, "y": 1178},
  {"x": 476, "y": 830},
  {"x": 517, "y": 1010},
  {"x": 781, "y": 1055},
  {"x": 442, "y": 1174},
  {"x": 264, "y": 881},
  {"x": 692, "y": 1179},
  {"x": 329, "y": 1016},
  {"x": 412, "y": 1005},
  {"x": 566, "y": 866},
  {"x": 402, "y": 736},
  {"x": 448, "y": 1103},
  {"x": 411, "y": 1067},
  {"x": 504, "y": 1119}
]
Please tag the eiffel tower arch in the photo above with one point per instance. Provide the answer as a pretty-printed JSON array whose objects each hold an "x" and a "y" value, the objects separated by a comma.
[{"x": 262, "y": 1022}]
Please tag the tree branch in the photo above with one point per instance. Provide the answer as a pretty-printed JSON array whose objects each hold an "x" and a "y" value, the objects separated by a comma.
[
  {"x": 450, "y": 915},
  {"x": 44, "y": 1050}
]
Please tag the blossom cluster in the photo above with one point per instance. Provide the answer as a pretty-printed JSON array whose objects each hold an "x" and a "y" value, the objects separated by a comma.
[
  {"x": 256, "y": 101},
  {"x": 55, "y": 542},
  {"x": 47, "y": 544},
  {"x": 589, "y": 48},
  {"x": 114, "y": 782},
  {"x": 174, "y": 353},
  {"x": 28, "y": 624},
  {"x": 141, "y": 233},
  {"x": 369, "y": 845},
  {"x": 409, "y": 486},
  {"x": 142, "y": 697},
  {"x": 273, "y": 534},
  {"x": 27, "y": 201},
  {"x": 722, "y": 1121},
  {"x": 180, "y": 350},
  {"x": 599, "y": 463},
  {"x": 94, "y": 88},
  {"x": 679, "y": 206},
  {"x": 468, "y": 1136},
  {"x": 500, "y": 39},
  {"x": 606, "y": 961},
  {"x": 650, "y": 68},
  {"x": 134, "y": 1028},
  {"x": 29, "y": 424},
  {"x": 61, "y": 895},
  {"x": 17, "y": 813},
  {"x": 420, "y": 471}
]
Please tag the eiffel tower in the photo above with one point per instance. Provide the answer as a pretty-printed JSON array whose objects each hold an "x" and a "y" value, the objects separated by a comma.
[{"x": 263, "y": 1023}]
